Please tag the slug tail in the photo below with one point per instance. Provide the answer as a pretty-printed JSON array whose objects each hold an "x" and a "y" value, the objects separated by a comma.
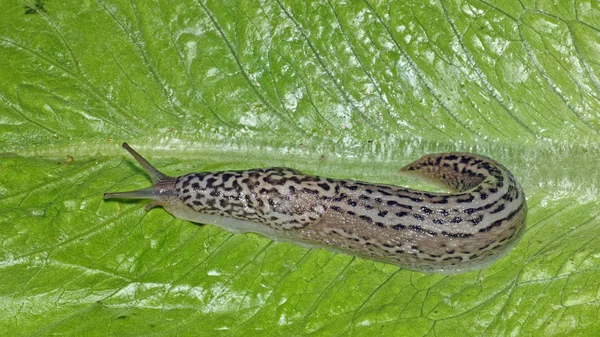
[{"x": 456, "y": 170}]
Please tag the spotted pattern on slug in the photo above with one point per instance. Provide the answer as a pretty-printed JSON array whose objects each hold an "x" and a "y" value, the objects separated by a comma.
[
  {"x": 435, "y": 232},
  {"x": 480, "y": 221},
  {"x": 277, "y": 197}
]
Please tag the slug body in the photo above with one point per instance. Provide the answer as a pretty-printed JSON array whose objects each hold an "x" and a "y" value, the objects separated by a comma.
[{"x": 445, "y": 233}]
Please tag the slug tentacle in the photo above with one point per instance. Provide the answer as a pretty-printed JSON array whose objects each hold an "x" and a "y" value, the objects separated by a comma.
[
  {"x": 447, "y": 233},
  {"x": 162, "y": 188},
  {"x": 154, "y": 174}
]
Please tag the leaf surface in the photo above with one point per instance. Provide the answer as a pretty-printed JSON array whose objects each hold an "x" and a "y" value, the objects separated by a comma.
[{"x": 346, "y": 89}]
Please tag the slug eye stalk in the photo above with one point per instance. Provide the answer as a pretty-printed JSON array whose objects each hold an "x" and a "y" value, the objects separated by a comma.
[{"x": 163, "y": 185}]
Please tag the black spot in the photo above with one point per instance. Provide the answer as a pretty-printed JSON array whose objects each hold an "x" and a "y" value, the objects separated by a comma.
[
  {"x": 456, "y": 220},
  {"x": 186, "y": 197},
  {"x": 363, "y": 197},
  {"x": 311, "y": 178},
  {"x": 470, "y": 210},
  {"x": 397, "y": 204},
  {"x": 382, "y": 213},
  {"x": 419, "y": 217},
  {"x": 508, "y": 197},
  {"x": 215, "y": 193},
  {"x": 324, "y": 186},
  {"x": 494, "y": 224},
  {"x": 498, "y": 209},
  {"x": 483, "y": 196},
  {"x": 352, "y": 203},
  {"x": 366, "y": 218},
  {"x": 351, "y": 213},
  {"x": 196, "y": 185},
  {"x": 340, "y": 197},
  {"x": 384, "y": 192},
  {"x": 401, "y": 214},
  {"x": 379, "y": 224},
  {"x": 438, "y": 221},
  {"x": 426, "y": 210},
  {"x": 470, "y": 198},
  {"x": 439, "y": 200},
  {"x": 399, "y": 226},
  {"x": 378, "y": 200},
  {"x": 457, "y": 235},
  {"x": 238, "y": 188},
  {"x": 421, "y": 230},
  {"x": 210, "y": 181},
  {"x": 309, "y": 191}
]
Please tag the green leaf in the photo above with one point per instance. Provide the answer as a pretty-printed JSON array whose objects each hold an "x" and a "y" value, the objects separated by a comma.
[{"x": 346, "y": 89}]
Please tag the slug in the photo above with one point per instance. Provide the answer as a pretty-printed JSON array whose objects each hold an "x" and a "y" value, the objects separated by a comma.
[{"x": 448, "y": 233}]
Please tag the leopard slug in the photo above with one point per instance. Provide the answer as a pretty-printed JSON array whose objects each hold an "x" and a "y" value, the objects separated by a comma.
[{"x": 448, "y": 233}]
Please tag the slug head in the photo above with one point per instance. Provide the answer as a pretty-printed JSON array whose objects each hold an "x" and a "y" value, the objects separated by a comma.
[{"x": 161, "y": 192}]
